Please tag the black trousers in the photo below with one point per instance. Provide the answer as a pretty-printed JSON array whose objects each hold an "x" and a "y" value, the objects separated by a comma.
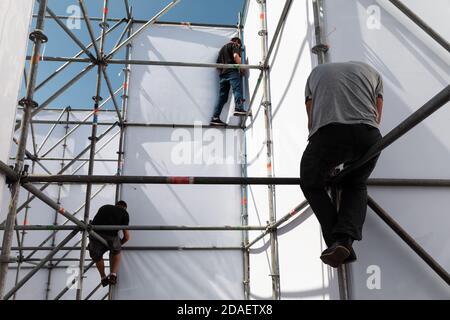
[{"x": 329, "y": 147}]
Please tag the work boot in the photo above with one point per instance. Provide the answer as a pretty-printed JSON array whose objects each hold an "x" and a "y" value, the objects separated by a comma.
[
  {"x": 337, "y": 253},
  {"x": 217, "y": 122}
]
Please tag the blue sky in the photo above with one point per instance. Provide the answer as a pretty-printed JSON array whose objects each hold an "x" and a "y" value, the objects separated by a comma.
[{"x": 80, "y": 94}]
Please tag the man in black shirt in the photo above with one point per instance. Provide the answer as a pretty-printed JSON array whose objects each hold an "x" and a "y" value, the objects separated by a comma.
[
  {"x": 109, "y": 215},
  {"x": 229, "y": 54}
]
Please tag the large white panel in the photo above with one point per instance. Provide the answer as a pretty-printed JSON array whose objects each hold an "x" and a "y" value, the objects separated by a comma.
[
  {"x": 414, "y": 69},
  {"x": 15, "y": 18},
  {"x": 174, "y": 95}
]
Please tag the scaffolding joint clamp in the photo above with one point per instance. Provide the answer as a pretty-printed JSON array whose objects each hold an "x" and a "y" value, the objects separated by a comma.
[
  {"x": 266, "y": 104},
  {"x": 97, "y": 99},
  {"x": 320, "y": 48},
  {"x": 262, "y": 33},
  {"x": 24, "y": 102},
  {"x": 104, "y": 25},
  {"x": 93, "y": 138},
  {"x": 38, "y": 36}
]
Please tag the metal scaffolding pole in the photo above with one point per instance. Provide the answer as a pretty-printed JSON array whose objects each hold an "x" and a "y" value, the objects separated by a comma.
[
  {"x": 321, "y": 50},
  {"x": 70, "y": 34},
  {"x": 84, "y": 121},
  {"x": 69, "y": 164},
  {"x": 433, "y": 264},
  {"x": 156, "y": 63},
  {"x": 148, "y": 23},
  {"x": 154, "y": 227},
  {"x": 65, "y": 65},
  {"x": 40, "y": 265},
  {"x": 63, "y": 225},
  {"x": 58, "y": 202},
  {"x": 93, "y": 137},
  {"x": 125, "y": 95},
  {"x": 103, "y": 179},
  {"x": 278, "y": 223},
  {"x": 38, "y": 37},
  {"x": 244, "y": 188},
  {"x": 51, "y": 130},
  {"x": 67, "y": 288},
  {"x": 275, "y": 268}
]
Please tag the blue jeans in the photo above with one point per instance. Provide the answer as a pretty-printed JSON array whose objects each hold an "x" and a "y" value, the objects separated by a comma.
[{"x": 228, "y": 79}]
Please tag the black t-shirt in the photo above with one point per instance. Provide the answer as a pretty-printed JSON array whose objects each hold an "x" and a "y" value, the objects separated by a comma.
[
  {"x": 226, "y": 55},
  {"x": 111, "y": 215}
]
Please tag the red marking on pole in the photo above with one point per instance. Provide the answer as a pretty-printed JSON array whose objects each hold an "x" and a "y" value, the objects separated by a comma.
[
  {"x": 269, "y": 166},
  {"x": 293, "y": 212},
  {"x": 261, "y": 16},
  {"x": 36, "y": 58},
  {"x": 244, "y": 201},
  {"x": 105, "y": 10},
  {"x": 180, "y": 180},
  {"x": 96, "y": 111},
  {"x": 25, "y": 222},
  {"x": 62, "y": 210},
  {"x": 125, "y": 85}
]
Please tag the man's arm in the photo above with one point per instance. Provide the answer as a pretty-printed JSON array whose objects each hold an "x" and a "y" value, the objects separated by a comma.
[
  {"x": 237, "y": 58},
  {"x": 126, "y": 236},
  {"x": 379, "y": 108},
  {"x": 308, "y": 104}
]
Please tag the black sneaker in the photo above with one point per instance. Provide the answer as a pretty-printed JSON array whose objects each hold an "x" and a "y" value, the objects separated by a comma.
[
  {"x": 240, "y": 112},
  {"x": 105, "y": 282},
  {"x": 112, "y": 279},
  {"x": 336, "y": 254},
  {"x": 217, "y": 122}
]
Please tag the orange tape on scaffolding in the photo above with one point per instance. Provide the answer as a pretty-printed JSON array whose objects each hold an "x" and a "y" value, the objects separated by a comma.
[
  {"x": 181, "y": 180},
  {"x": 62, "y": 210}
]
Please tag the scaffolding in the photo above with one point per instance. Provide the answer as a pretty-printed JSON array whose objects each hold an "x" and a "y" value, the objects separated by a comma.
[{"x": 18, "y": 177}]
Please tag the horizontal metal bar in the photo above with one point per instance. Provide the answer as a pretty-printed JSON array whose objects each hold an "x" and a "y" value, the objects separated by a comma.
[
  {"x": 130, "y": 248},
  {"x": 142, "y": 228},
  {"x": 65, "y": 159},
  {"x": 139, "y": 21},
  {"x": 409, "y": 182},
  {"x": 421, "y": 252},
  {"x": 146, "y": 125},
  {"x": 95, "y": 179},
  {"x": 155, "y": 63}
]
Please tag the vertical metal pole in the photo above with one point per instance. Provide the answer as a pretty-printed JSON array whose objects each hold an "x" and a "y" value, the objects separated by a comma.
[
  {"x": 23, "y": 233},
  {"x": 244, "y": 189},
  {"x": 38, "y": 38},
  {"x": 269, "y": 146},
  {"x": 126, "y": 82},
  {"x": 321, "y": 49},
  {"x": 93, "y": 139},
  {"x": 58, "y": 201}
]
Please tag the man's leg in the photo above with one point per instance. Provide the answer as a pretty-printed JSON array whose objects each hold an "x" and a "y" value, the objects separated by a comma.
[
  {"x": 353, "y": 205},
  {"x": 115, "y": 262},
  {"x": 96, "y": 251},
  {"x": 313, "y": 180},
  {"x": 224, "y": 90},
  {"x": 101, "y": 268},
  {"x": 236, "y": 85}
]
